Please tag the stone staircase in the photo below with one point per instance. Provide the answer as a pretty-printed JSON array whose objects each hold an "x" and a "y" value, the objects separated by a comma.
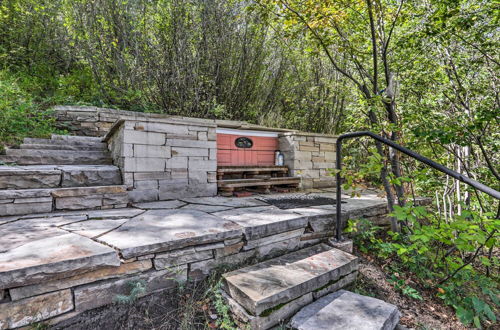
[
  {"x": 61, "y": 173},
  {"x": 269, "y": 293}
]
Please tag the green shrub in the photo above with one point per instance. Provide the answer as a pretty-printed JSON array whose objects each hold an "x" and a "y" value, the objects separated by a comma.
[
  {"x": 451, "y": 259},
  {"x": 20, "y": 115}
]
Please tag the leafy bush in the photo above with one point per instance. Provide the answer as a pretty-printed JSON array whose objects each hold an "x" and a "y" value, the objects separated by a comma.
[
  {"x": 452, "y": 258},
  {"x": 20, "y": 116}
]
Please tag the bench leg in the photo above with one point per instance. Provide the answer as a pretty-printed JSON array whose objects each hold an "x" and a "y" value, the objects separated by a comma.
[{"x": 226, "y": 192}]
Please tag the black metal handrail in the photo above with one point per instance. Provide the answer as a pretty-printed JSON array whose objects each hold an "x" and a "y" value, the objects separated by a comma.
[{"x": 479, "y": 186}]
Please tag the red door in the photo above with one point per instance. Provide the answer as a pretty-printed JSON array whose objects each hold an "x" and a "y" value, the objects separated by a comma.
[{"x": 235, "y": 150}]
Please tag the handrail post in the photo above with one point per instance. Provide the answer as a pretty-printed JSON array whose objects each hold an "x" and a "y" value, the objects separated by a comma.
[{"x": 338, "y": 229}]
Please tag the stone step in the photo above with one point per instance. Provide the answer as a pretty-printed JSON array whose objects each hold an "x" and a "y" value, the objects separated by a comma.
[
  {"x": 346, "y": 310},
  {"x": 62, "y": 142},
  {"x": 265, "y": 288},
  {"x": 76, "y": 147},
  {"x": 26, "y": 201},
  {"x": 53, "y": 176},
  {"x": 57, "y": 157},
  {"x": 76, "y": 138}
]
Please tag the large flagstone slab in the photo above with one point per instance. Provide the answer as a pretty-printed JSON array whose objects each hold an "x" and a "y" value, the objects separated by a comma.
[
  {"x": 347, "y": 310},
  {"x": 266, "y": 285},
  {"x": 53, "y": 256},
  {"x": 94, "y": 228},
  {"x": 8, "y": 219},
  {"x": 206, "y": 208},
  {"x": 172, "y": 204},
  {"x": 91, "y": 214},
  {"x": 320, "y": 219},
  {"x": 225, "y": 201},
  {"x": 21, "y": 232},
  {"x": 114, "y": 213},
  {"x": 364, "y": 205},
  {"x": 264, "y": 221},
  {"x": 163, "y": 230}
]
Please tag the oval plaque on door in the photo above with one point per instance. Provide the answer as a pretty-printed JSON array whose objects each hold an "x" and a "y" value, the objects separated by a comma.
[{"x": 243, "y": 142}]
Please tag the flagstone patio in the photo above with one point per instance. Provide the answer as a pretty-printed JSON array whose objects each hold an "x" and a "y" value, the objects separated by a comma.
[{"x": 43, "y": 253}]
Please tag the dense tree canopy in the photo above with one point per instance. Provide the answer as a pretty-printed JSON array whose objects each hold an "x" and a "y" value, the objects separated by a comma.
[{"x": 422, "y": 73}]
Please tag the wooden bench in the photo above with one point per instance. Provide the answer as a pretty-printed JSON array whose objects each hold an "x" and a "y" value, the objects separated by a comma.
[
  {"x": 251, "y": 171},
  {"x": 227, "y": 186}
]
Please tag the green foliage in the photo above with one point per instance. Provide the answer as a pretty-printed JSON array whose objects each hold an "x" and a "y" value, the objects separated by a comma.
[
  {"x": 224, "y": 321},
  {"x": 407, "y": 290},
  {"x": 39, "y": 326},
  {"x": 20, "y": 115},
  {"x": 448, "y": 256},
  {"x": 137, "y": 288}
]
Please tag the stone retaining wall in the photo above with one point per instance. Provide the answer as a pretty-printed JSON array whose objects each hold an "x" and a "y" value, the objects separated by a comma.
[
  {"x": 310, "y": 156},
  {"x": 93, "y": 121},
  {"x": 162, "y": 159}
]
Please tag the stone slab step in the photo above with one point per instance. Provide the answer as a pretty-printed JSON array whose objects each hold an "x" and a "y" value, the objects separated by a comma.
[
  {"x": 53, "y": 176},
  {"x": 265, "y": 286},
  {"x": 58, "y": 157},
  {"x": 27, "y": 201},
  {"x": 346, "y": 310},
  {"x": 62, "y": 142},
  {"x": 76, "y": 147},
  {"x": 76, "y": 138},
  {"x": 45, "y": 253}
]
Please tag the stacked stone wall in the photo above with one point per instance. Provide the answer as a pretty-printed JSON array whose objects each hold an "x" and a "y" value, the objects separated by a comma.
[
  {"x": 165, "y": 160},
  {"x": 311, "y": 157},
  {"x": 94, "y": 121}
]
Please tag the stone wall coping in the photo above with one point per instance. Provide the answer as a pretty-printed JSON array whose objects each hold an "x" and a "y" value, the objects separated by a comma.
[
  {"x": 300, "y": 133},
  {"x": 180, "y": 120},
  {"x": 116, "y": 126},
  {"x": 248, "y": 126},
  {"x": 135, "y": 115}
]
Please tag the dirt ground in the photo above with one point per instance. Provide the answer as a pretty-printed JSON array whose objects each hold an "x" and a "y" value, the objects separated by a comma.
[
  {"x": 428, "y": 313},
  {"x": 166, "y": 310}
]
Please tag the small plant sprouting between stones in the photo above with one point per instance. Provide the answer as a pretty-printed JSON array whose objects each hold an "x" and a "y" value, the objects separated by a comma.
[
  {"x": 137, "y": 288},
  {"x": 224, "y": 321},
  {"x": 40, "y": 326},
  {"x": 176, "y": 271}
]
